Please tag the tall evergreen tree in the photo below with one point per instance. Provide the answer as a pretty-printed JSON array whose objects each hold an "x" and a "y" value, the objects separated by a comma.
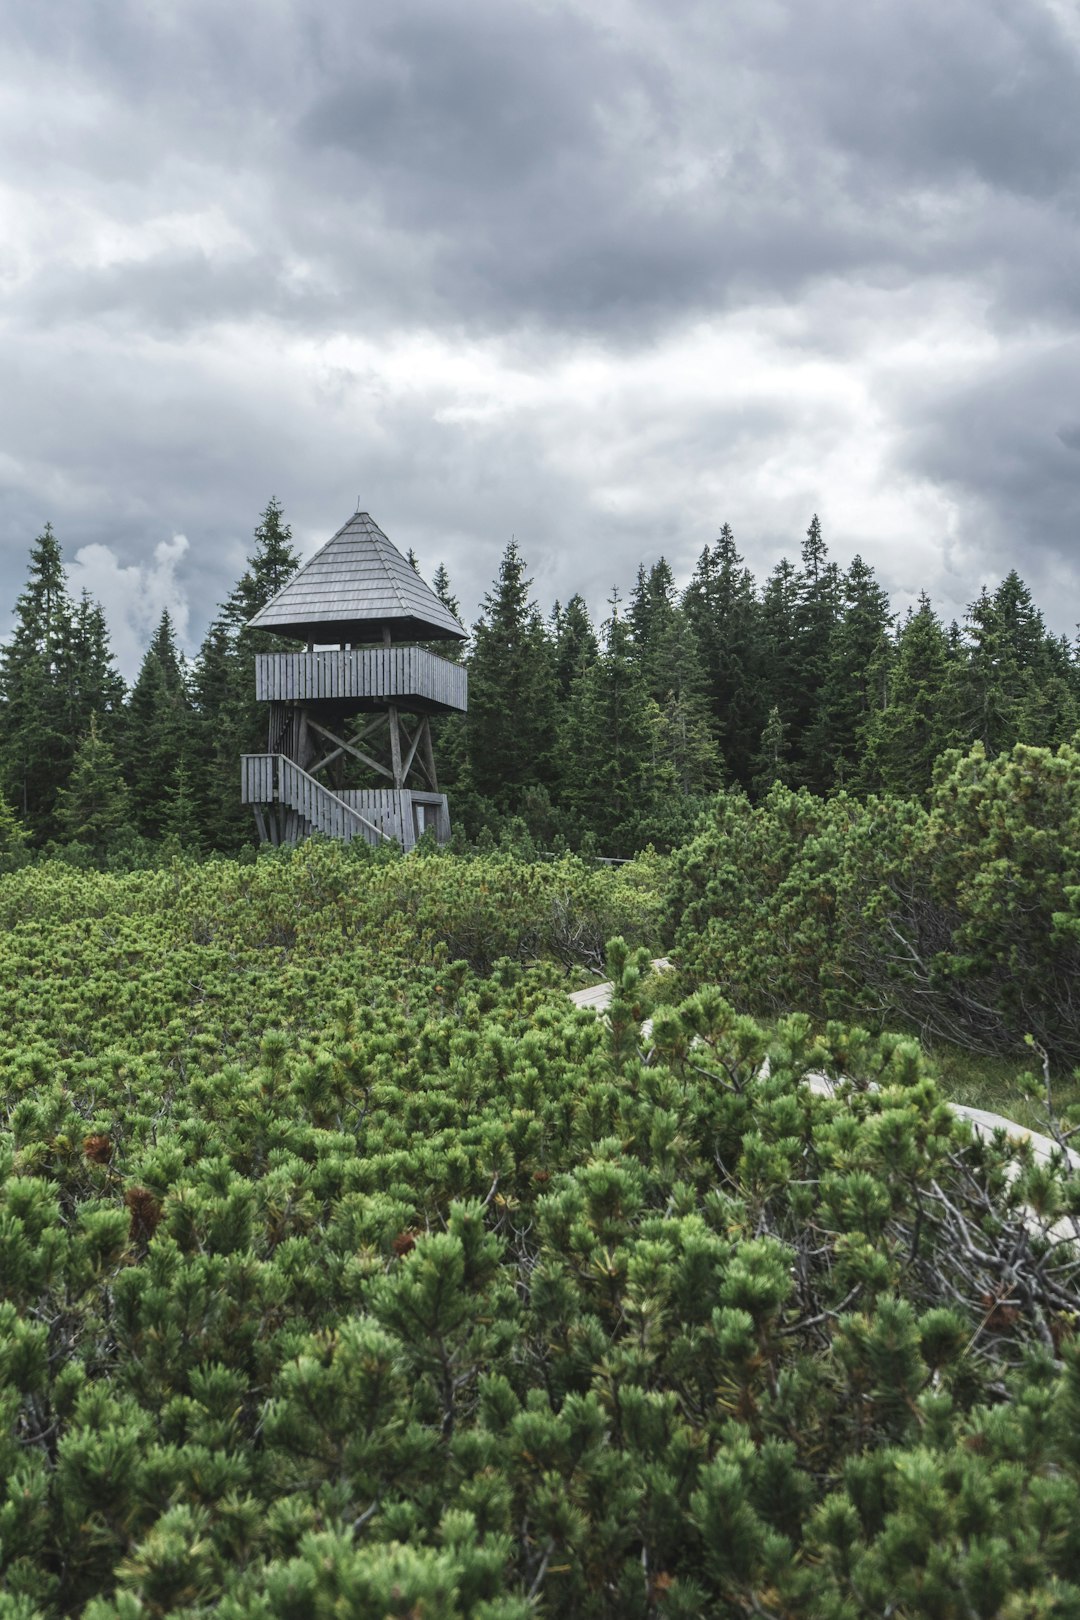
[
  {"x": 906, "y": 735},
  {"x": 649, "y": 617},
  {"x": 780, "y": 643},
  {"x": 576, "y": 646},
  {"x": 676, "y": 682},
  {"x": 611, "y": 745},
  {"x": 771, "y": 764},
  {"x": 723, "y": 611},
  {"x": 1016, "y": 684},
  {"x": 270, "y": 567},
  {"x": 855, "y": 680},
  {"x": 14, "y": 839},
  {"x": 93, "y": 684},
  {"x": 181, "y": 821},
  {"x": 36, "y": 701},
  {"x": 229, "y": 722},
  {"x": 817, "y": 615},
  {"x": 157, "y": 730},
  {"x": 512, "y": 714},
  {"x": 440, "y": 584},
  {"x": 92, "y": 807}
]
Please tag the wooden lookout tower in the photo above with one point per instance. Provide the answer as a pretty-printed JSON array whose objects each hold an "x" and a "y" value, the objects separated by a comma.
[{"x": 337, "y": 710}]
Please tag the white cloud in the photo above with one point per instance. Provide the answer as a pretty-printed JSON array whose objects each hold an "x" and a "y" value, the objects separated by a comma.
[{"x": 134, "y": 596}]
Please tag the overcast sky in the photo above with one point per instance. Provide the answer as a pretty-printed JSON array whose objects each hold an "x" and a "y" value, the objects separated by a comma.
[{"x": 599, "y": 276}]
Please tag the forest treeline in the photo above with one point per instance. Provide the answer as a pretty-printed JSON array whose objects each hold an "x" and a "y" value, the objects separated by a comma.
[{"x": 602, "y": 738}]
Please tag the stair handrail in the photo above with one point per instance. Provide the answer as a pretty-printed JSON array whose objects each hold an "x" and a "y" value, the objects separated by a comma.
[{"x": 281, "y": 760}]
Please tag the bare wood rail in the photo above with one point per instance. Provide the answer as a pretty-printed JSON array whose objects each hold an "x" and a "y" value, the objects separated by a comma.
[{"x": 268, "y": 779}]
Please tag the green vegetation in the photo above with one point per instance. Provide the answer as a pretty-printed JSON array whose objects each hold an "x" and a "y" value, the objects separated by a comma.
[
  {"x": 603, "y": 740},
  {"x": 957, "y": 919},
  {"x": 347, "y": 1268}
]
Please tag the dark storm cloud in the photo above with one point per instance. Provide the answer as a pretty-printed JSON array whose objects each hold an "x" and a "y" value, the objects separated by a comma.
[
  {"x": 532, "y": 164},
  {"x": 579, "y": 177},
  {"x": 190, "y": 178}
]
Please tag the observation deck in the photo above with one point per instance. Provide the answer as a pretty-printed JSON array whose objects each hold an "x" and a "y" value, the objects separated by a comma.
[{"x": 364, "y": 678}]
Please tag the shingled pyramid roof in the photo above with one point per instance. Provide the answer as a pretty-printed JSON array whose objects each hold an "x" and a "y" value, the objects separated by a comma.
[{"x": 355, "y": 585}]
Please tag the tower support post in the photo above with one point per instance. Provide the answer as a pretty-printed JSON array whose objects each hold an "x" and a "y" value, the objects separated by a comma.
[{"x": 395, "y": 746}]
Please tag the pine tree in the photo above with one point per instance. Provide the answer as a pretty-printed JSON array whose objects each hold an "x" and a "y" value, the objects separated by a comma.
[
  {"x": 93, "y": 684},
  {"x": 511, "y": 722},
  {"x": 771, "y": 764},
  {"x": 229, "y": 722},
  {"x": 92, "y": 808},
  {"x": 779, "y": 643},
  {"x": 817, "y": 615},
  {"x": 270, "y": 567},
  {"x": 677, "y": 684},
  {"x": 1016, "y": 685},
  {"x": 35, "y": 698},
  {"x": 906, "y": 735},
  {"x": 182, "y": 820},
  {"x": 14, "y": 839},
  {"x": 855, "y": 680},
  {"x": 440, "y": 584},
  {"x": 649, "y": 617},
  {"x": 723, "y": 611},
  {"x": 157, "y": 730},
  {"x": 576, "y": 646},
  {"x": 614, "y": 772},
  {"x": 220, "y": 733}
]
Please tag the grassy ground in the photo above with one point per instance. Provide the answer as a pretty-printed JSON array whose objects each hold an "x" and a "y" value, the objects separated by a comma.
[{"x": 995, "y": 1083}]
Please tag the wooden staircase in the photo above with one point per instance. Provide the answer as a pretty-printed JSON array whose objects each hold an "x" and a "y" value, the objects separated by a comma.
[{"x": 290, "y": 805}]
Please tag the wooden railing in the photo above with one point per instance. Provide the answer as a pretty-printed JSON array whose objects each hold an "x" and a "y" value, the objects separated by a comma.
[
  {"x": 268, "y": 779},
  {"x": 362, "y": 672}
]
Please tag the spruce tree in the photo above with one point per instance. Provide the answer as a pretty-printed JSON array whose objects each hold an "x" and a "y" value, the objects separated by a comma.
[
  {"x": 36, "y": 699},
  {"x": 677, "y": 683},
  {"x": 723, "y": 611},
  {"x": 93, "y": 684},
  {"x": 229, "y": 722},
  {"x": 157, "y": 730},
  {"x": 817, "y": 615},
  {"x": 770, "y": 764},
  {"x": 1016, "y": 685},
  {"x": 780, "y": 644},
  {"x": 92, "y": 807},
  {"x": 14, "y": 839},
  {"x": 440, "y": 584},
  {"x": 906, "y": 735},
  {"x": 576, "y": 646},
  {"x": 181, "y": 821},
  {"x": 220, "y": 733},
  {"x": 611, "y": 746},
  {"x": 855, "y": 680},
  {"x": 511, "y": 721},
  {"x": 270, "y": 567},
  {"x": 649, "y": 618}
]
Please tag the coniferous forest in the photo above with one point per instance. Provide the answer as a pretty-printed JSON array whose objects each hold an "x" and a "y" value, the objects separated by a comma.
[
  {"x": 598, "y": 738},
  {"x": 347, "y": 1268}
]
